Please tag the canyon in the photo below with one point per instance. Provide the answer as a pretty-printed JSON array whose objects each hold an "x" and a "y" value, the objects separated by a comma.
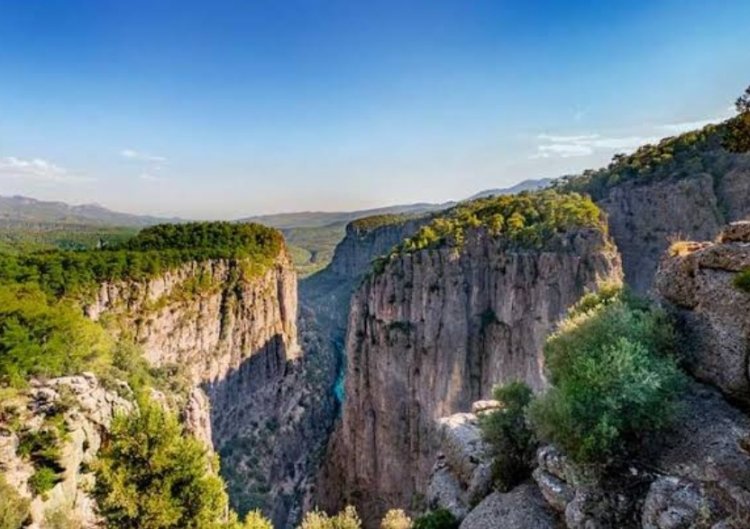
[{"x": 362, "y": 384}]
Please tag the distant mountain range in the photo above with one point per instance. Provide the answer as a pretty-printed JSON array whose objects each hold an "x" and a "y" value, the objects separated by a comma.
[
  {"x": 319, "y": 219},
  {"x": 526, "y": 185},
  {"x": 25, "y": 210}
]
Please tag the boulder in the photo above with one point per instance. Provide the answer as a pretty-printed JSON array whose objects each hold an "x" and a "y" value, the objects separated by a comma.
[
  {"x": 712, "y": 314},
  {"x": 521, "y": 508}
]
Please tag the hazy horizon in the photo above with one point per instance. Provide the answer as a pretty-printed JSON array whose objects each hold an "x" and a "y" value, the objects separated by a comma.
[{"x": 204, "y": 111}]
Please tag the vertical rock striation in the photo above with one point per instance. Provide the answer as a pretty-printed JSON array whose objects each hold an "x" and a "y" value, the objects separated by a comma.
[{"x": 434, "y": 332}]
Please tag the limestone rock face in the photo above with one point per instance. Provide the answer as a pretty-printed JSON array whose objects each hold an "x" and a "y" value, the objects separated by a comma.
[
  {"x": 433, "y": 333},
  {"x": 644, "y": 217},
  {"x": 359, "y": 247},
  {"x": 207, "y": 316},
  {"x": 87, "y": 409},
  {"x": 521, "y": 508},
  {"x": 229, "y": 331},
  {"x": 713, "y": 314},
  {"x": 462, "y": 474}
]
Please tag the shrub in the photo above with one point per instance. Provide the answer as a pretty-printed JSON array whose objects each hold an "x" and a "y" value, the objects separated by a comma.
[
  {"x": 510, "y": 440},
  {"x": 346, "y": 519},
  {"x": 14, "y": 509},
  {"x": 437, "y": 519},
  {"x": 396, "y": 519},
  {"x": 253, "y": 520},
  {"x": 613, "y": 375},
  {"x": 742, "y": 280},
  {"x": 150, "y": 476},
  {"x": 43, "y": 479}
]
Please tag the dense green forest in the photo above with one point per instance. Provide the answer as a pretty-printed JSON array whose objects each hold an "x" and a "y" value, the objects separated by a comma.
[
  {"x": 529, "y": 219},
  {"x": 153, "y": 250}
]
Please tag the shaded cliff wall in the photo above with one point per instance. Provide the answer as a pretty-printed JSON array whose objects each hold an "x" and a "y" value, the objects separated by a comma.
[
  {"x": 228, "y": 330},
  {"x": 434, "y": 332},
  {"x": 644, "y": 217}
]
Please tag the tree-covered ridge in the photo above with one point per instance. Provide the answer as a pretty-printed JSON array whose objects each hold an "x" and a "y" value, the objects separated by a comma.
[
  {"x": 677, "y": 157},
  {"x": 152, "y": 251},
  {"x": 529, "y": 219},
  {"x": 367, "y": 224}
]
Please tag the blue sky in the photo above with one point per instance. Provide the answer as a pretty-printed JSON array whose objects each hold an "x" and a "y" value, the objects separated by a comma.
[{"x": 223, "y": 109}]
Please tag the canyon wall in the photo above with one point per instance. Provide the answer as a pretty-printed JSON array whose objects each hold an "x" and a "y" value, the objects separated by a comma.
[
  {"x": 432, "y": 333},
  {"x": 225, "y": 331},
  {"x": 644, "y": 217}
]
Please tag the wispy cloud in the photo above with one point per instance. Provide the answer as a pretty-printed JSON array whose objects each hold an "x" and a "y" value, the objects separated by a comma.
[
  {"x": 572, "y": 146},
  {"x": 150, "y": 177},
  {"x": 132, "y": 154},
  {"x": 685, "y": 126},
  {"x": 37, "y": 169}
]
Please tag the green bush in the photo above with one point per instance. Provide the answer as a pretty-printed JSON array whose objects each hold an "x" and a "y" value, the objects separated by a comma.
[
  {"x": 510, "y": 440},
  {"x": 14, "y": 508},
  {"x": 346, "y": 519},
  {"x": 742, "y": 280},
  {"x": 613, "y": 379},
  {"x": 151, "y": 476},
  {"x": 43, "y": 479},
  {"x": 437, "y": 519}
]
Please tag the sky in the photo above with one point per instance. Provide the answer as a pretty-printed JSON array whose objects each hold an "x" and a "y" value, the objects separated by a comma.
[{"x": 224, "y": 109}]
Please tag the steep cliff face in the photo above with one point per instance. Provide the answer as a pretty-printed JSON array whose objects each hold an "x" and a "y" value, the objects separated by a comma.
[
  {"x": 713, "y": 314},
  {"x": 644, "y": 217},
  {"x": 432, "y": 333},
  {"x": 81, "y": 408},
  {"x": 209, "y": 316},
  {"x": 228, "y": 330},
  {"x": 361, "y": 244}
]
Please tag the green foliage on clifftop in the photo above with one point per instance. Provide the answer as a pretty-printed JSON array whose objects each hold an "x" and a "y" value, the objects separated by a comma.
[
  {"x": 692, "y": 153},
  {"x": 151, "y": 252},
  {"x": 529, "y": 220}
]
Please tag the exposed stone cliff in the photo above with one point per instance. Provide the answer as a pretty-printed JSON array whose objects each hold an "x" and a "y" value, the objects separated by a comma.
[
  {"x": 228, "y": 329},
  {"x": 434, "y": 332},
  {"x": 83, "y": 409},
  {"x": 713, "y": 314},
  {"x": 644, "y": 217}
]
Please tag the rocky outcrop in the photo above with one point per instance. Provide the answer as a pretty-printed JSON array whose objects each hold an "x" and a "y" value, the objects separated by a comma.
[
  {"x": 644, "y": 217},
  {"x": 84, "y": 409},
  {"x": 713, "y": 315},
  {"x": 433, "y": 333},
  {"x": 694, "y": 475},
  {"x": 521, "y": 508},
  {"x": 462, "y": 474},
  {"x": 361, "y": 245}
]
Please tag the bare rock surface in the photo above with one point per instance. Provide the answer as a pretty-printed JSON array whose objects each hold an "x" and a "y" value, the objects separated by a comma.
[
  {"x": 522, "y": 508},
  {"x": 644, "y": 217},
  {"x": 462, "y": 474},
  {"x": 713, "y": 314},
  {"x": 87, "y": 409},
  {"x": 432, "y": 334}
]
